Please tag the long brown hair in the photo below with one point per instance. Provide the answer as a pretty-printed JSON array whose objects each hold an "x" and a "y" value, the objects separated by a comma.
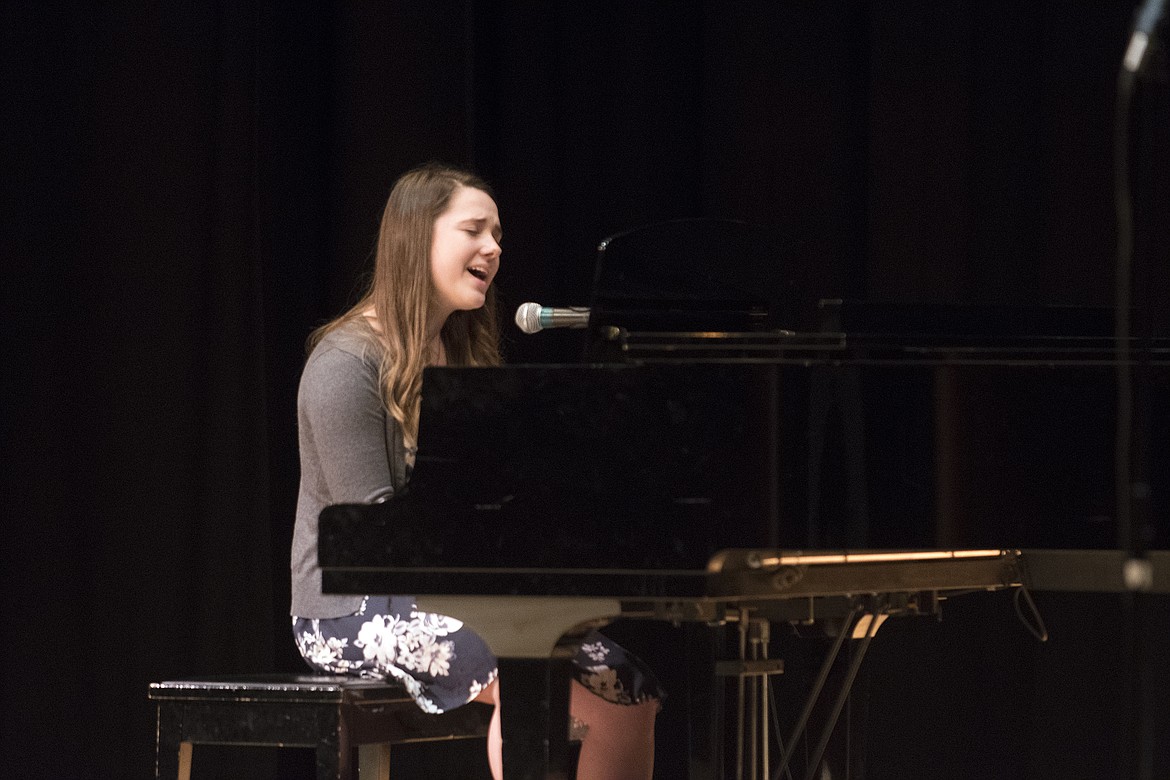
[{"x": 402, "y": 294}]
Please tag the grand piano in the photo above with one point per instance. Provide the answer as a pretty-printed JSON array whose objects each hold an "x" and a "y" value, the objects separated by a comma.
[{"x": 718, "y": 459}]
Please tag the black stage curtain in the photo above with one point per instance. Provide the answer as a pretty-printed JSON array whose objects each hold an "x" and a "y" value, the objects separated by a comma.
[
  {"x": 136, "y": 424},
  {"x": 191, "y": 187}
]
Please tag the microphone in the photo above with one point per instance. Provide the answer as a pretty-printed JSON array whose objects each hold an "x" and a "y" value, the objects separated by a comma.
[{"x": 532, "y": 317}]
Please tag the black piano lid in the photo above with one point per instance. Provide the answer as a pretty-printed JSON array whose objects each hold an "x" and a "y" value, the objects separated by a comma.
[
  {"x": 692, "y": 274},
  {"x": 696, "y": 290}
]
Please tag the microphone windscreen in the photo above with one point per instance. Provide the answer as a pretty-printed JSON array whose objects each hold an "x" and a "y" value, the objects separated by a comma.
[{"x": 528, "y": 317}]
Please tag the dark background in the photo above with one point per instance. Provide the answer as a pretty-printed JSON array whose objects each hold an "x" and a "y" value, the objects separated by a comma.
[{"x": 191, "y": 187}]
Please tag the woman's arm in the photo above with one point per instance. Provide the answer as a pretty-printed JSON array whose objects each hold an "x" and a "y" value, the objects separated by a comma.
[{"x": 346, "y": 427}]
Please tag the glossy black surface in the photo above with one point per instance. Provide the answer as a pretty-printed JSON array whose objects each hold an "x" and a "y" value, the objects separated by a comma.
[
  {"x": 691, "y": 274},
  {"x": 634, "y": 475},
  {"x": 276, "y": 687},
  {"x": 576, "y": 467}
]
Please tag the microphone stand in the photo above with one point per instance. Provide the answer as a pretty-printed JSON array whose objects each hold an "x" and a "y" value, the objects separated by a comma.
[{"x": 1135, "y": 530}]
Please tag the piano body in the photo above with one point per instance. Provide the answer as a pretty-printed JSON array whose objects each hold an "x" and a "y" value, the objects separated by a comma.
[{"x": 677, "y": 473}]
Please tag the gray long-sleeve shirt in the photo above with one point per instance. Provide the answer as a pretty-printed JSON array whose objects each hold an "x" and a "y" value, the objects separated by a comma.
[{"x": 351, "y": 452}]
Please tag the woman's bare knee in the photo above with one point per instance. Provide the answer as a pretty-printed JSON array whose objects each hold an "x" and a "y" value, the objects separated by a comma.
[
  {"x": 618, "y": 741},
  {"x": 490, "y": 694}
]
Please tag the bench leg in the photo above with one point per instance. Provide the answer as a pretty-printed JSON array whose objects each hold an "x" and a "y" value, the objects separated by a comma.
[
  {"x": 172, "y": 758},
  {"x": 374, "y": 762},
  {"x": 185, "y": 749}
]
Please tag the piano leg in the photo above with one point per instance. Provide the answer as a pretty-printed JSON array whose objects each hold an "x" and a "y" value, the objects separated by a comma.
[
  {"x": 704, "y": 700},
  {"x": 534, "y": 718}
]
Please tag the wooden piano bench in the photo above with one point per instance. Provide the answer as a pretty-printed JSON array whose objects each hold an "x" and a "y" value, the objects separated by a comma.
[{"x": 333, "y": 714}]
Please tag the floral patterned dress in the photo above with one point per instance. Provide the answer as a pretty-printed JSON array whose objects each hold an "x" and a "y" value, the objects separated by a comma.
[{"x": 443, "y": 664}]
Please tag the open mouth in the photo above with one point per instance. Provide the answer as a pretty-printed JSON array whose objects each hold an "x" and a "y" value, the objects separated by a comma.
[{"x": 478, "y": 273}]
